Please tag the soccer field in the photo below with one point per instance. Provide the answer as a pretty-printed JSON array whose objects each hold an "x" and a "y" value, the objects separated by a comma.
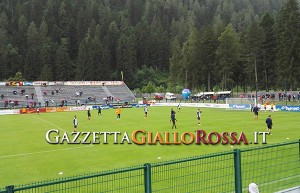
[{"x": 25, "y": 156}]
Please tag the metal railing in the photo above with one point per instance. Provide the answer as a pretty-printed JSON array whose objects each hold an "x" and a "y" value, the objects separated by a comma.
[{"x": 272, "y": 167}]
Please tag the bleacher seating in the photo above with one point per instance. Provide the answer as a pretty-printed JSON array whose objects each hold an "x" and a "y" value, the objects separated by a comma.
[
  {"x": 24, "y": 99},
  {"x": 56, "y": 94}
]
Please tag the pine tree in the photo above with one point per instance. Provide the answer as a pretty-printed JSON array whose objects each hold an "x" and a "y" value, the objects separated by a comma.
[
  {"x": 174, "y": 61},
  {"x": 267, "y": 50},
  {"x": 228, "y": 54},
  {"x": 208, "y": 48},
  {"x": 126, "y": 53},
  {"x": 288, "y": 44}
]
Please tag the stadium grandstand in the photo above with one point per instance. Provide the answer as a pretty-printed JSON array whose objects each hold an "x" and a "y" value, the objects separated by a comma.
[{"x": 75, "y": 93}]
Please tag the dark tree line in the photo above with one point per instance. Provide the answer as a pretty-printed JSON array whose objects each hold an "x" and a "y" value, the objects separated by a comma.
[{"x": 200, "y": 44}]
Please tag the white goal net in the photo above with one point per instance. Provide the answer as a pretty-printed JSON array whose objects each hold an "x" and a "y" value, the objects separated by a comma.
[{"x": 240, "y": 101}]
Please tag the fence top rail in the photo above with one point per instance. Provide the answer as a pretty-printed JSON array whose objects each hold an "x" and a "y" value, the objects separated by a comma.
[
  {"x": 157, "y": 164},
  {"x": 270, "y": 146},
  {"x": 74, "y": 178}
]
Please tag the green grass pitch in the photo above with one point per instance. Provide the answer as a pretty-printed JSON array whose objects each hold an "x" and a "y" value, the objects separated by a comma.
[{"x": 25, "y": 156}]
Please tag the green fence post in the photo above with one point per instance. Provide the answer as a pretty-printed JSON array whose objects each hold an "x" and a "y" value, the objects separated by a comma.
[
  {"x": 147, "y": 178},
  {"x": 237, "y": 171},
  {"x": 10, "y": 189}
]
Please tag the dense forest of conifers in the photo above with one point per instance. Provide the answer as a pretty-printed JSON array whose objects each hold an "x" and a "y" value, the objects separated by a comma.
[{"x": 166, "y": 44}]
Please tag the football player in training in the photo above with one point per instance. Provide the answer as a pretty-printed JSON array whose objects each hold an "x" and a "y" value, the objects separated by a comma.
[{"x": 89, "y": 114}]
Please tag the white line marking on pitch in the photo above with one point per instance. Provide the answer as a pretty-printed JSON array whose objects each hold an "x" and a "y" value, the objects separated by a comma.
[
  {"x": 23, "y": 154},
  {"x": 273, "y": 182},
  {"x": 49, "y": 123},
  {"x": 55, "y": 126}
]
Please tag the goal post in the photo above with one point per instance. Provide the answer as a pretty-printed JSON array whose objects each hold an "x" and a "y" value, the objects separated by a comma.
[{"x": 240, "y": 103}]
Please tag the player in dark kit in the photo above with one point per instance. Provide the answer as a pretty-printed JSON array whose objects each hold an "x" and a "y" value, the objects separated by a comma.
[
  {"x": 255, "y": 111},
  {"x": 89, "y": 114},
  {"x": 172, "y": 112},
  {"x": 269, "y": 123},
  {"x": 99, "y": 111},
  {"x": 173, "y": 119}
]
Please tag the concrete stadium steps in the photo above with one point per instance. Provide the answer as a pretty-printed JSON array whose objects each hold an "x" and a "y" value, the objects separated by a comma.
[
  {"x": 55, "y": 94},
  {"x": 107, "y": 92},
  {"x": 7, "y": 91},
  {"x": 121, "y": 92},
  {"x": 39, "y": 94}
]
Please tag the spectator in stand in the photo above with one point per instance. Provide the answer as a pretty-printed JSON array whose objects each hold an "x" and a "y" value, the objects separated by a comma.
[
  {"x": 32, "y": 95},
  {"x": 261, "y": 98},
  {"x": 5, "y": 104},
  {"x": 289, "y": 97},
  {"x": 294, "y": 98},
  {"x": 298, "y": 97},
  {"x": 2, "y": 96},
  {"x": 273, "y": 97}
]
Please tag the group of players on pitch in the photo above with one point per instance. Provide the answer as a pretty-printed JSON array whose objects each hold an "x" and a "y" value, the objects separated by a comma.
[
  {"x": 173, "y": 116},
  {"x": 118, "y": 113},
  {"x": 173, "y": 119},
  {"x": 269, "y": 121}
]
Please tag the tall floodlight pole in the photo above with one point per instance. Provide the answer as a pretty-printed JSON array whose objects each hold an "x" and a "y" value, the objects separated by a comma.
[
  {"x": 256, "y": 84},
  {"x": 186, "y": 73},
  {"x": 285, "y": 92}
]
